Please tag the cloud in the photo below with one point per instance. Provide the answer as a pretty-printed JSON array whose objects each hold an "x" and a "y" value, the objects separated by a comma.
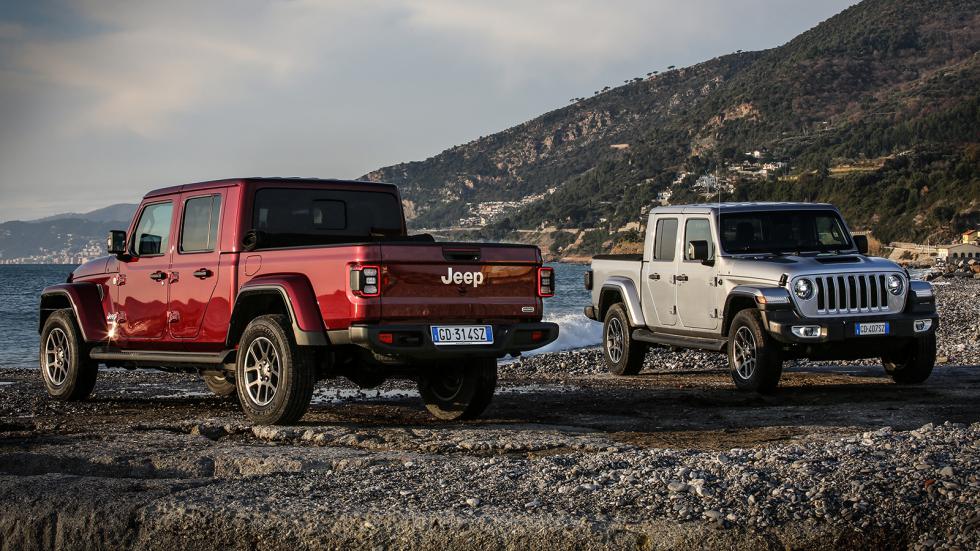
[
  {"x": 10, "y": 31},
  {"x": 142, "y": 71},
  {"x": 103, "y": 99},
  {"x": 143, "y": 63}
]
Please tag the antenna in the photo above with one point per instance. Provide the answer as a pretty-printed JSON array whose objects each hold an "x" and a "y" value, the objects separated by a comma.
[{"x": 718, "y": 186}]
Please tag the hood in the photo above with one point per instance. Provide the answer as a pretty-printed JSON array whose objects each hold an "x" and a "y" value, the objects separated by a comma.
[
  {"x": 772, "y": 268},
  {"x": 92, "y": 267}
]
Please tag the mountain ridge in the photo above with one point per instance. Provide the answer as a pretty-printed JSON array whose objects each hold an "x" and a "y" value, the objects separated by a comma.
[{"x": 112, "y": 213}]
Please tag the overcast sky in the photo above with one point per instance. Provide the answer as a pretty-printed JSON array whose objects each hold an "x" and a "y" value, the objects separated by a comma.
[{"x": 102, "y": 101}]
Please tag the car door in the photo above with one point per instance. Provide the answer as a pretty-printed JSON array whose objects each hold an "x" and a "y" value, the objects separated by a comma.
[
  {"x": 657, "y": 277},
  {"x": 697, "y": 290},
  {"x": 195, "y": 264},
  {"x": 144, "y": 274}
]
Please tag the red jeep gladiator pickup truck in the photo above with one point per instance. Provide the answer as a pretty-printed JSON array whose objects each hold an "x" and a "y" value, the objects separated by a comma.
[{"x": 266, "y": 285}]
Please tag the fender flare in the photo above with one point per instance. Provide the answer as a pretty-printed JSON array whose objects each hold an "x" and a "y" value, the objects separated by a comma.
[
  {"x": 301, "y": 307},
  {"x": 85, "y": 300},
  {"x": 631, "y": 298},
  {"x": 762, "y": 297}
]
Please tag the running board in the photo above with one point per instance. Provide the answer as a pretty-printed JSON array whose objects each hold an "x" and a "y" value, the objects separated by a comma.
[
  {"x": 166, "y": 358},
  {"x": 704, "y": 343}
]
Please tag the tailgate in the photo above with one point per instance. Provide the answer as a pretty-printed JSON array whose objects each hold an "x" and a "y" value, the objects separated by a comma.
[{"x": 460, "y": 281}]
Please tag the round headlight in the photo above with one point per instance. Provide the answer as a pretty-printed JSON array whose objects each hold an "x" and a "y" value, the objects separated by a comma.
[
  {"x": 803, "y": 288},
  {"x": 895, "y": 284}
]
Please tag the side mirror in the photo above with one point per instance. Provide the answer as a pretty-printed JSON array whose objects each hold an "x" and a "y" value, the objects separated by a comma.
[
  {"x": 861, "y": 242},
  {"x": 116, "y": 242},
  {"x": 697, "y": 250}
]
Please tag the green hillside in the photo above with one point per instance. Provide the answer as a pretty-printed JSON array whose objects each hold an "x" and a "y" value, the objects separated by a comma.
[{"x": 875, "y": 110}]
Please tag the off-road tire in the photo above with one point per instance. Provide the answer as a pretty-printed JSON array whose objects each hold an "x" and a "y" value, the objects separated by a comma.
[
  {"x": 912, "y": 363},
  {"x": 74, "y": 377},
  {"x": 764, "y": 376},
  {"x": 459, "y": 390},
  {"x": 296, "y": 379},
  {"x": 220, "y": 385},
  {"x": 627, "y": 357}
]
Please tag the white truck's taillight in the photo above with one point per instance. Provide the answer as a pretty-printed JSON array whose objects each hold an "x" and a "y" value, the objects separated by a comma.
[
  {"x": 546, "y": 282},
  {"x": 365, "y": 281}
]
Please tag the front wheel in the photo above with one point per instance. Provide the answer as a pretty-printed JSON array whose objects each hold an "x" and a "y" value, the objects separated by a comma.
[
  {"x": 753, "y": 356},
  {"x": 68, "y": 372},
  {"x": 912, "y": 363},
  {"x": 275, "y": 376},
  {"x": 454, "y": 393}
]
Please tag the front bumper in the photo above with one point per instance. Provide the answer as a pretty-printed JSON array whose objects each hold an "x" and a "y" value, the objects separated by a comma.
[
  {"x": 414, "y": 341},
  {"x": 781, "y": 322}
]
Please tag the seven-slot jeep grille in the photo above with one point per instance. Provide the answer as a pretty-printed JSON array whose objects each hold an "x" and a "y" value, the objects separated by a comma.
[{"x": 850, "y": 294}]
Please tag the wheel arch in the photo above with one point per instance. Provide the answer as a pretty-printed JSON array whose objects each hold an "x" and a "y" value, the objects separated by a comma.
[
  {"x": 735, "y": 303},
  {"x": 756, "y": 297},
  {"x": 291, "y": 296},
  {"x": 621, "y": 289},
  {"x": 84, "y": 299}
]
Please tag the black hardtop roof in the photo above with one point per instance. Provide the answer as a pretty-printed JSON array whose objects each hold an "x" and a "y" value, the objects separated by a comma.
[{"x": 252, "y": 180}]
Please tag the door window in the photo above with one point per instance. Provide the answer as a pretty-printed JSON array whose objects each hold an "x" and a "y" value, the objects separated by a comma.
[
  {"x": 697, "y": 229},
  {"x": 199, "y": 229},
  {"x": 152, "y": 234},
  {"x": 665, "y": 240}
]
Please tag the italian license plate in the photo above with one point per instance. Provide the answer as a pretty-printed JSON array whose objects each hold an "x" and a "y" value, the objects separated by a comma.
[
  {"x": 879, "y": 328},
  {"x": 462, "y": 334}
]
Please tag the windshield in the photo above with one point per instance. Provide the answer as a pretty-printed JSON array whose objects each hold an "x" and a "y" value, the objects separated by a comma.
[
  {"x": 783, "y": 232},
  {"x": 303, "y": 217}
]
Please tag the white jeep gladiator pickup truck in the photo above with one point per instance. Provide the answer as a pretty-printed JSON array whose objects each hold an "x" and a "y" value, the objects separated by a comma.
[{"x": 766, "y": 282}]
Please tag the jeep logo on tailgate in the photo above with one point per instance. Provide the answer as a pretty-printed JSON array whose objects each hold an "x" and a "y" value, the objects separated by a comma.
[{"x": 468, "y": 278}]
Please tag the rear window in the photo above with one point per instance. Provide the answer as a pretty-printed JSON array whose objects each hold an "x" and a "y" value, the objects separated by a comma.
[{"x": 302, "y": 217}]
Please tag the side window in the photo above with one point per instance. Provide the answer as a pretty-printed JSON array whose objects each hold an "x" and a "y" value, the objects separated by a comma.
[
  {"x": 665, "y": 240},
  {"x": 199, "y": 229},
  {"x": 697, "y": 229},
  {"x": 152, "y": 234}
]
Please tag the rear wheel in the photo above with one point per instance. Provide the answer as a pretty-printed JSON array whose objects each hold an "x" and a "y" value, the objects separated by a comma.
[
  {"x": 753, "y": 356},
  {"x": 275, "y": 377},
  {"x": 459, "y": 392},
  {"x": 912, "y": 363},
  {"x": 68, "y": 372},
  {"x": 623, "y": 355},
  {"x": 221, "y": 385}
]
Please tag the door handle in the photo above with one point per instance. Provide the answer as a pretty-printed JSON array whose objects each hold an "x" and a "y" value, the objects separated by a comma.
[
  {"x": 682, "y": 277},
  {"x": 654, "y": 276},
  {"x": 158, "y": 276},
  {"x": 203, "y": 273}
]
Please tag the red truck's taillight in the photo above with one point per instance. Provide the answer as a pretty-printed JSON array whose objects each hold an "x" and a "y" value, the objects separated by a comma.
[
  {"x": 546, "y": 282},
  {"x": 365, "y": 281}
]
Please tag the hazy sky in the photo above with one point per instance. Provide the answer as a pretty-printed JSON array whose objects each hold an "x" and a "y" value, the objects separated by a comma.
[{"x": 101, "y": 101}]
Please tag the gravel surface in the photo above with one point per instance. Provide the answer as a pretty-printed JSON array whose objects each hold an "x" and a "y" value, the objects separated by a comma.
[{"x": 567, "y": 457}]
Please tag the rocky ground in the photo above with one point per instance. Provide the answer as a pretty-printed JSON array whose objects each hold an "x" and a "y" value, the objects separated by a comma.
[{"x": 566, "y": 457}]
